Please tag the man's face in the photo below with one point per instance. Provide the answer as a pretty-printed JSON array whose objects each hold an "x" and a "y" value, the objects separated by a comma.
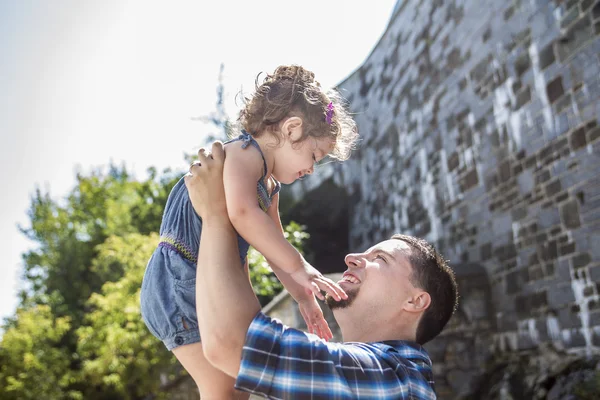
[{"x": 377, "y": 280}]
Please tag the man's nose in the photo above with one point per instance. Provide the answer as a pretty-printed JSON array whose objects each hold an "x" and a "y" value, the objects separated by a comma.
[
  {"x": 310, "y": 170},
  {"x": 353, "y": 260}
]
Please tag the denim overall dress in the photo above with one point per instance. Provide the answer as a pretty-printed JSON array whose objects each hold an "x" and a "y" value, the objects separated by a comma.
[{"x": 168, "y": 295}]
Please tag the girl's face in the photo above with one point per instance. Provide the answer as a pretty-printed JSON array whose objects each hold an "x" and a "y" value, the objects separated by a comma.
[{"x": 295, "y": 160}]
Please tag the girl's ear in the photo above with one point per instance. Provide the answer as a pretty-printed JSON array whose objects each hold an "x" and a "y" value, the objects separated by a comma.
[{"x": 291, "y": 129}]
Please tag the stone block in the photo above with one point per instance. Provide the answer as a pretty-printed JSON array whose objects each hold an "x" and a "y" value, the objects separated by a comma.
[
  {"x": 539, "y": 299},
  {"x": 469, "y": 180},
  {"x": 577, "y": 340},
  {"x": 519, "y": 213},
  {"x": 554, "y": 89},
  {"x": 566, "y": 249},
  {"x": 526, "y": 182},
  {"x": 576, "y": 35},
  {"x": 548, "y": 218},
  {"x": 549, "y": 270},
  {"x": 594, "y": 319},
  {"x": 553, "y": 187},
  {"x": 577, "y": 138},
  {"x": 560, "y": 296},
  {"x": 593, "y": 134},
  {"x": 563, "y": 104},
  {"x": 567, "y": 319},
  {"x": 595, "y": 246},
  {"x": 596, "y": 11},
  {"x": 522, "y": 305},
  {"x": 542, "y": 176},
  {"x": 453, "y": 161},
  {"x": 548, "y": 251},
  {"x": 581, "y": 260},
  {"x": 591, "y": 217},
  {"x": 561, "y": 125},
  {"x": 485, "y": 251},
  {"x": 514, "y": 282},
  {"x": 569, "y": 213}
]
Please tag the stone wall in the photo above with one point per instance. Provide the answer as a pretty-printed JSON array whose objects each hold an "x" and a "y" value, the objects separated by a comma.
[{"x": 479, "y": 121}]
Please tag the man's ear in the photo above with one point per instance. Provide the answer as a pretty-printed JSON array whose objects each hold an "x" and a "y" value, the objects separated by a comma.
[
  {"x": 418, "y": 303},
  {"x": 291, "y": 129}
]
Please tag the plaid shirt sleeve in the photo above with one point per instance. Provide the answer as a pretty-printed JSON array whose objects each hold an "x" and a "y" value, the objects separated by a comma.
[{"x": 284, "y": 363}]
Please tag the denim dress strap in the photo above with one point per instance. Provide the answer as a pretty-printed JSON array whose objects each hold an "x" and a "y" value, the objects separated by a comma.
[
  {"x": 247, "y": 140},
  {"x": 264, "y": 198}
]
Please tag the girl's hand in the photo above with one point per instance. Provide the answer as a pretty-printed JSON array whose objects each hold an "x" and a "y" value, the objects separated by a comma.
[
  {"x": 313, "y": 316},
  {"x": 312, "y": 280}
]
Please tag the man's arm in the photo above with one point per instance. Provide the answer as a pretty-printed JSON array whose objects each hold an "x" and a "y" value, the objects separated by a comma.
[{"x": 225, "y": 302}]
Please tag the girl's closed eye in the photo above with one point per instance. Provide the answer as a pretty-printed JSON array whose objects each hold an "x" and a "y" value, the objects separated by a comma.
[{"x": 381, "y": 257}]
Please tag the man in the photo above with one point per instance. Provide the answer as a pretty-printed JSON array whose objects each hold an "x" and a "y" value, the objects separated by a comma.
[{"x": 401, "y": 294}]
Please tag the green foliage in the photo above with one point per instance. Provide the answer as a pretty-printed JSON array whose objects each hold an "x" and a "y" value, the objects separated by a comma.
[
  {"x": 265, "y": 283},
  {"x": 119, "y": 354},
  {"x": 68, "y": 232},
  {"x": 32, "y": 363},
  {"x": 92, "y": 247},
  {"x": 589, "y": 388},
  {"x": 78, "y": 333}
]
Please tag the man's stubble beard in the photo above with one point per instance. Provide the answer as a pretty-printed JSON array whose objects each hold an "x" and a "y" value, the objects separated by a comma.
[{"x": 344, "y": 303}]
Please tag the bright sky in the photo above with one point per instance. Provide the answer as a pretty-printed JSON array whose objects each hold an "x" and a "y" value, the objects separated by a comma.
[{"x": 84, "y": 82}]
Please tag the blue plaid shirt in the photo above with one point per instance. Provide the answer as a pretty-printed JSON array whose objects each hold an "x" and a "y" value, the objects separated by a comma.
[{"x": 284, "y": 363}]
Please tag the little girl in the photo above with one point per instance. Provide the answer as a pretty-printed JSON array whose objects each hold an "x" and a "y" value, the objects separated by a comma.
[{"x": 289, "y": 124}]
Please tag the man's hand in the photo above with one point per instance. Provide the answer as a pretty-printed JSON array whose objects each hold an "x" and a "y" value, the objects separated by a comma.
[
  {"x": 205, "y": 183},
  {"x": 314, "y": 318}
]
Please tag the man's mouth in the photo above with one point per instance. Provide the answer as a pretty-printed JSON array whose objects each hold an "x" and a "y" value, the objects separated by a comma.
[{"x": 349, "y": 278}]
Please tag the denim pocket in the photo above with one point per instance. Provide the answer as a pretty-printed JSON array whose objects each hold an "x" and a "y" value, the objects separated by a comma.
[{"x": 181, "y": 270}]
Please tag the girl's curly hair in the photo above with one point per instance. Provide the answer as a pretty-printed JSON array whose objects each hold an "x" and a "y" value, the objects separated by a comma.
[{"x": 293, "y": 91}]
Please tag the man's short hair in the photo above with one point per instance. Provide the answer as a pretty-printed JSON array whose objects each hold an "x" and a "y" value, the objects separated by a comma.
[{"x": 431, "y": 273}]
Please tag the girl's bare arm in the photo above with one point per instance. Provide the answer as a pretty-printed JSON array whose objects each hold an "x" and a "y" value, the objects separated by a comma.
[{"x": 241, "y": 172}]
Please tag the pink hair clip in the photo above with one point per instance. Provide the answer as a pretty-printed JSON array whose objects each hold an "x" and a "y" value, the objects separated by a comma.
[{"x": 329, "y": 114}]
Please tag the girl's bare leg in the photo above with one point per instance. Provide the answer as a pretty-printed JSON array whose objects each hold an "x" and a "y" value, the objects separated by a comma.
[{"x": 212, "y": 382}]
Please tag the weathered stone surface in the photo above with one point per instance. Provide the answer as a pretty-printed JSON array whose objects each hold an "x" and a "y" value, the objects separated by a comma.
[{"x": 494, "y": 158}]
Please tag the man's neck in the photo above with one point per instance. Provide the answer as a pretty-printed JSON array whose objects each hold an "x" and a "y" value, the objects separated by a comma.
[{"x": 360, "y": 330}]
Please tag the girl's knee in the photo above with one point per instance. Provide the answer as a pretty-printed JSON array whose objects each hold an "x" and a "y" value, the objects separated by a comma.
[{"x": 212, "y": 382}]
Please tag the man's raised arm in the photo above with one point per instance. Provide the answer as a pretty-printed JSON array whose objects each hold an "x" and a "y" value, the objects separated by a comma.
[{"x": 225, "y": 301}]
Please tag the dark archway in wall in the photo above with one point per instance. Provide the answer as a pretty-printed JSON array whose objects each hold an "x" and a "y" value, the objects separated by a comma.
[{"x": 324, "y": 211}]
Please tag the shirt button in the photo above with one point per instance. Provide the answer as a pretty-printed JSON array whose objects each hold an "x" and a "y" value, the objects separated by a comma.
[{"x": 178, "y": 340}]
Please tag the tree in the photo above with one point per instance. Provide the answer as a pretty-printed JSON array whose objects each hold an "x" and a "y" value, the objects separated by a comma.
[
  {"x": 78, "y": 333},
  {"x": 68, "y": 232},
  {"x": 64, "y": 272},
  {"x": 33, "y": 365},
  {"x": 120, "y": 356}
]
